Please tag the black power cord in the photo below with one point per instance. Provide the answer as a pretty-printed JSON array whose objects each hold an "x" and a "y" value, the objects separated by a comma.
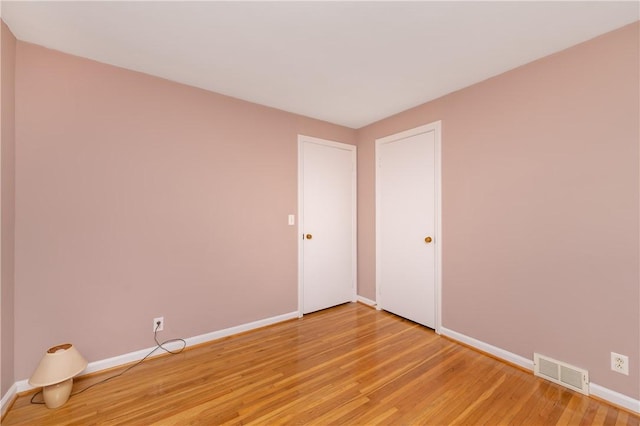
[{"x": 158, "y": 346}]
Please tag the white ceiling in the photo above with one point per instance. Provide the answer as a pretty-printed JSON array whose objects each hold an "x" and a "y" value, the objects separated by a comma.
[{"x": 349, "y": 63}]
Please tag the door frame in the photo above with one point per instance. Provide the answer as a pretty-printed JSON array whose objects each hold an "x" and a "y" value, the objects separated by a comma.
[
  {"x": 354, "y": 217},
  {"x": 435, "y": 127}
]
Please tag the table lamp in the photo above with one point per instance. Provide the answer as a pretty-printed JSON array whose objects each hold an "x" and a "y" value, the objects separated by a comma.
[{"x": 55, "y": 373}]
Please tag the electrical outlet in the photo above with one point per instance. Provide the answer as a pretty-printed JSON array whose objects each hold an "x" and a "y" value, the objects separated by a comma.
[
  {"x": 620, "y": 363},
  {"x": 155, "y": 324}
]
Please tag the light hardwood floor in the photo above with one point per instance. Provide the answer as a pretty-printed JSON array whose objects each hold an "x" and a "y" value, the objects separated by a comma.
[{"x": 347, "y": 365}]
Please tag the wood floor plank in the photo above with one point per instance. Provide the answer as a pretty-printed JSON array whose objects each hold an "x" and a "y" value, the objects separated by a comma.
[{"x": 349, "y": 365}]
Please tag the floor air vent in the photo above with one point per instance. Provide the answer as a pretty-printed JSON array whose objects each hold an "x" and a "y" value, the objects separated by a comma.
[{"x": 561, "y": 373}]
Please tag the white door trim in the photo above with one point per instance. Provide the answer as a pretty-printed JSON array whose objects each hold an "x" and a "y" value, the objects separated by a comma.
[
  {"x": 354, "y": 248},
  {"x": 436, "y": 128}
]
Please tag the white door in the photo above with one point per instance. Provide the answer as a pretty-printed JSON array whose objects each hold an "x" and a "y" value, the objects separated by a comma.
[
  {"x": 327, "y": 231},
  {"x": 407, "y": 224}
]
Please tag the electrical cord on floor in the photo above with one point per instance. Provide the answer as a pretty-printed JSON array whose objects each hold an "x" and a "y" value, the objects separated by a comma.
[{"x": 158, "y": 346}]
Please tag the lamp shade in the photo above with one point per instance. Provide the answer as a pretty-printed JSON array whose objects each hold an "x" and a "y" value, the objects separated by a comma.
[{"x": 58, "y": 364}]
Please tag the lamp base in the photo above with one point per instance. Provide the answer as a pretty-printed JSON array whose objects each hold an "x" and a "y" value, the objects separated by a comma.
[{"x": 56, "y": 395}]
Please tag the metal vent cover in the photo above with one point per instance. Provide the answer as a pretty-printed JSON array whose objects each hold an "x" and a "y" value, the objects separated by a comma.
[{"x": 561, "y": 373}]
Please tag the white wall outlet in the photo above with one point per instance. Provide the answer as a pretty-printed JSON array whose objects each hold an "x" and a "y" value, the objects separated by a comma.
[
  {"x": 620, "y": 363},
  {"x": 156, "y": 326}
]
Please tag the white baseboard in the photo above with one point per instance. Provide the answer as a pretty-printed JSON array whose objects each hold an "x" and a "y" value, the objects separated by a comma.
[
  {"x": 615, "y": 397},
  {"x": 490, "y": 349},
  {"x": 594, "y": 389},
  {"x": 23, "y": 385},
  {"x": 203, "y": 338},
  {"x": 7, "y": 398},
  {"x": 366, "y": 301},
  {"x": 601, "y": 392}
]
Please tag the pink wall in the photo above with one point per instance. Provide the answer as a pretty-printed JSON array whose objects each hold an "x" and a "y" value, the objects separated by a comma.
[
  {"x": 540, "y": 207},
  {"x": 139, "y": 197},
  {"x": 7, "y": 126}
]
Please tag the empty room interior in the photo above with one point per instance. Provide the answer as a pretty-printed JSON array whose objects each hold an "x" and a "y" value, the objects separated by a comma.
[{"x": 458, "y": 180}]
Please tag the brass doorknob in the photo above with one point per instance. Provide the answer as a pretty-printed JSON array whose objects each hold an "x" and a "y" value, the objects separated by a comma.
[
  {"x": 308, "y": 236},
  {"x": 428, "y": 240}
]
